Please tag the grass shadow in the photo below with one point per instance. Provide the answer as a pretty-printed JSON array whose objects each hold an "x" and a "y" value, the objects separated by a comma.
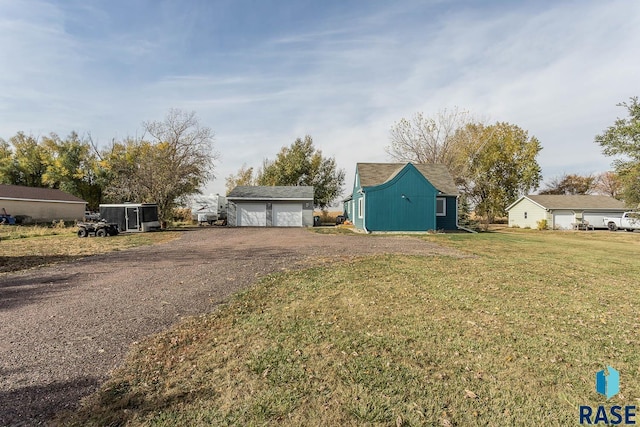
[
  {"x": 16, "y": 263},
  {"x": 18, "y": 291}
]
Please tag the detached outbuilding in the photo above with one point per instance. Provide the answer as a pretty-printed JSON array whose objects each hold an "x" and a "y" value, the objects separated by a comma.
[
  {"x": 270, "y": 206},
  {"x": 131, "y": 217},
  {"x": 562, "y": 212},
  {"x": 40, "y": 204}
]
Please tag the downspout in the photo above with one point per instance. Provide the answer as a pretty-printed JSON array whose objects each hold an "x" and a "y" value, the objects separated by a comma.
[
  {"x": 364, "y": 214},
  {"x": 457, "y": 216},
  {"x": 457, "y": 224}
]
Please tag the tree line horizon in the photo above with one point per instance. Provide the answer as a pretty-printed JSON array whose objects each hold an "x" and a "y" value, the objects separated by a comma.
[{"x": 492, "y": 164}]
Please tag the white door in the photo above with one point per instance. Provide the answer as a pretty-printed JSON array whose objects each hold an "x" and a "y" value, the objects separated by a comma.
[
  {"x": 562, "y": 220},
  {"x": 252, "y": 214},
  {"x": 287, "y": 215}
]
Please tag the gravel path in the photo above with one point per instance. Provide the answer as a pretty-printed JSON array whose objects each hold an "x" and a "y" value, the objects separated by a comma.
[{"x": 64, "y": 328}]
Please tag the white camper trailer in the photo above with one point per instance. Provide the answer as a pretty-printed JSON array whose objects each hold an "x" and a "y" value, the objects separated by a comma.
[{"x": 209, "y": 209}]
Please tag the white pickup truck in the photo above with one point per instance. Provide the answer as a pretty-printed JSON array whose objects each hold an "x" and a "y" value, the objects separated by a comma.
[{"x": 630, "y": 221}]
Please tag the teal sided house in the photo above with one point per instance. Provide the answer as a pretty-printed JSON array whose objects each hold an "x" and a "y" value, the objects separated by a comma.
[{"x": 402, "y": 197}]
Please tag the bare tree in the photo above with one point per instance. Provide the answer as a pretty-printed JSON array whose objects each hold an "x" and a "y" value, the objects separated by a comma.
[
  {"x": 440, "y": 139},
  {"x": 173, "y": 163},
  {"x": 609, "y": 184},
  {"x": 571, "y": 184},
  {"x": 426, "y": 139}
]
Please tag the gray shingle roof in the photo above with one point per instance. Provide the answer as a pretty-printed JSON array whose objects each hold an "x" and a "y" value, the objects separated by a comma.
[
  {"x": 35, "y": 193},
  {"x": 372, "y": 174},
  {"x": 553, "y": 201},
  {"x": 272, "y": 192}
]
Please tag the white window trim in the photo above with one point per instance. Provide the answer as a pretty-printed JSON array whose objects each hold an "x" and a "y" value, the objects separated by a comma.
[
  {"x": 361, "y": 207},
  {"x": 444, "y": 206}
]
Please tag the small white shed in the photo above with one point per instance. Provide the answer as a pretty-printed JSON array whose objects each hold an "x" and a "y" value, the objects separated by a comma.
[{"x": 561, "y": 211}]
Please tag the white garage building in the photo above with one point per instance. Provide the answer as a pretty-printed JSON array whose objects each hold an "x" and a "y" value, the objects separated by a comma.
[
  {"x": 562, "y": 211},
  {"x": 40, "y": 205},
  {"x": 264, "y": 206}
]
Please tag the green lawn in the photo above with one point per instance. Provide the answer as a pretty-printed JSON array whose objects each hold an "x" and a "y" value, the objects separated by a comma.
[{"x": 512, "y": 336}]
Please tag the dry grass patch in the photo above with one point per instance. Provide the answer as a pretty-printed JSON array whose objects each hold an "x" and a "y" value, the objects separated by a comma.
[
  {"x": 29, "y": 247},
  {"x": 338, "y": 229},
  {"x": 10, "y": 232},
  {"x": 512, "y": 337}
]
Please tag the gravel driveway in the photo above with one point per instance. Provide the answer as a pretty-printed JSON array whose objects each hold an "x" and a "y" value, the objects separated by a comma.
[{"x": 64, "y": 328}]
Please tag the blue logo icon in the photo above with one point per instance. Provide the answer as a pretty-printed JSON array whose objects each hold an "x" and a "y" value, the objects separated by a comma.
[{"x": 608, "y": 384}]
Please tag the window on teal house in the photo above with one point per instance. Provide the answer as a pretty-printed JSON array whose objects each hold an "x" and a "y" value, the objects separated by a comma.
[
  {"x": 361, "y": 207},
  {"x": 441, "y": 206}
]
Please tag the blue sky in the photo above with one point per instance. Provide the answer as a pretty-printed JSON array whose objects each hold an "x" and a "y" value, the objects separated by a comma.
[{"x": 262, "y": 73}]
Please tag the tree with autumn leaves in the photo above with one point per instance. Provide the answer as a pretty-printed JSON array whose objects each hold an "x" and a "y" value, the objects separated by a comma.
[
  {"x": 492, "y": 165},
  {"x": 172, "y": 160},
  {"x": 622, "y": 141},
  {"x": 68, "y": 164}
]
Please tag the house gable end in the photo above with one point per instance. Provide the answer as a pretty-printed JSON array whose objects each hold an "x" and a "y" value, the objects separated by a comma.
[
  {"x": 512, "y": 205},
  {"x": 407, "y": 202},
  {"x": 356, "y": 181},
  {"x": 408, "y": 168}
]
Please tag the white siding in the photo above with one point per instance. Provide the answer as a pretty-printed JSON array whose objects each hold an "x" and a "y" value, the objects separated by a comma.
[
  {"x": 526, "y": 214},
  {"x": 43, "y": 211}
]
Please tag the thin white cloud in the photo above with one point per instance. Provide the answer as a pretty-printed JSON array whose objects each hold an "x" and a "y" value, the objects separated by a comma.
[{"x": 556, "y": 69}]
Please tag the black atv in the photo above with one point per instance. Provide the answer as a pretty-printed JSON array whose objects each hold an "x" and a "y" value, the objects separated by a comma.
[{"x": 98, "y": 229}]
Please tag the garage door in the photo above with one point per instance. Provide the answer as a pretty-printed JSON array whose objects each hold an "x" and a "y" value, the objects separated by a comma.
[
  {"x": 597, "y": 219},
  {"x": 252, "y": 215},
  {"x": 562, "y": 220},
  {"x": 287, "y": 215}
]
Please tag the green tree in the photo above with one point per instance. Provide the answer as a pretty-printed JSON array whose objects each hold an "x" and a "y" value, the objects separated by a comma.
[
  {"x": 244, "y": 176},
  {"x": 302, "y": 164},
  {"x": 622, "y": 141},
  {"x": 170, "y": 165},
  {"x": 571, "y": 184},
  {"x": 71, "y": 166},
  {"x": 7, "y": 164},
  {"x": 29, "y": 161},
  {"x": 502, "y": 166}
]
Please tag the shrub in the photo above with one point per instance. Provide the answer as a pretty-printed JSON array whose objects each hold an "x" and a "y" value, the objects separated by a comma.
[
  {"x": 542, "y": 224},
  {"x": 58, "y": 224},
  {"x": 181, "y": 215},
  {"x": 327, "y": 217},
  {"x": 23, "y": 219}
]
